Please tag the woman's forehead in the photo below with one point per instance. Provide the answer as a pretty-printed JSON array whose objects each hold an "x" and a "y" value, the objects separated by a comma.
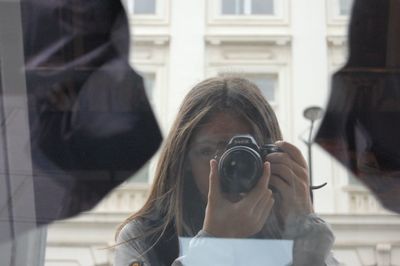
[{"x": 222, "y": 127}]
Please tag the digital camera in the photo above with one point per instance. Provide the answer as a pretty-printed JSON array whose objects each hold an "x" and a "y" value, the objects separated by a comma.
[{"x": 241, "y": 165}]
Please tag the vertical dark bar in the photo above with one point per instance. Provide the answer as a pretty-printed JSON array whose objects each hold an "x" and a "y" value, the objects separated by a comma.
[
  {"x": 7, "y": 230},
  {"x": 393, "y": 44}
]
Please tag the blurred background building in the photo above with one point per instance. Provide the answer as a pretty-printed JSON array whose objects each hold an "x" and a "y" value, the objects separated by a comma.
[{"x": 289, "y": 48}]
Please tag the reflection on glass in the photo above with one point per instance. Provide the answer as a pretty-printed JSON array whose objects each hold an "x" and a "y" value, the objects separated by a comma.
[
  {"x": 247, "y": 7},
  {"x": 267, "y": 84},
  {"x": 369, "y": 237},
  {"x": 142, "y": 176},
  {"x": 144, "y": 7},
  {"x": 149, "y": 80},
  {"x": 345, "y": 7},
  {"x": 360, "y": 128},
  {"x": 215, "y": 181},
  {"x": 260, "y": 7},
  {"x": 86, "y": 119},
  {"x": 231, "y": 7}
]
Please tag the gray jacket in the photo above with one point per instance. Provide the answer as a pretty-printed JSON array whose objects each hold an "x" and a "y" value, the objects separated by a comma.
[{"x": 312, "y": 246}]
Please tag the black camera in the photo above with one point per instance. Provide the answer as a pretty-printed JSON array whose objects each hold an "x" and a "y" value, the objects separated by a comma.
[{"x": 241, "y": 165}]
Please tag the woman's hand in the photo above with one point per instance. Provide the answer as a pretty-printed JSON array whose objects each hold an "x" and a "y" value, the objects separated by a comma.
[
  {"x": 290, "y": 183},
  {"x": 242, "y": 218}
]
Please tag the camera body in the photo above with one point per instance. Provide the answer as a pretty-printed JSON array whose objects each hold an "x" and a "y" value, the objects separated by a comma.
[{"x": 241, "y": 165}]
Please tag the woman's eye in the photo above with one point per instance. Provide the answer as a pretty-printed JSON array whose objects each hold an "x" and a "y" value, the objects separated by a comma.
[{"x": 207, "y": 152}]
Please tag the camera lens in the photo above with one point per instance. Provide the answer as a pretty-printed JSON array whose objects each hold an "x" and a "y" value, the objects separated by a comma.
[
  {"x": 240, "y": 168},
  {"x": 240, "y": 164}
]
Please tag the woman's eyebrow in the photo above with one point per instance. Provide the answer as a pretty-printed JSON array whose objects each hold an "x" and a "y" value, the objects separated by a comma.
[
  {"x": 211, "y": 142},
  {"x": 206, "y": 141}
]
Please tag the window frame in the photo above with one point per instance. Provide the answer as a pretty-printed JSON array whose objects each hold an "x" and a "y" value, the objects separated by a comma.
[
  {"x": 275, "y": 103},
  {"x": 334, "y": 17},
  {"x": 131, "y": 6},
  {"x": 247, "y": 8},
  {"x": 160, "y": 17},
  {"x": 282, "y": 89},
  {"x": 280, "y": 16},
  {"x": 340, "y": 8}
]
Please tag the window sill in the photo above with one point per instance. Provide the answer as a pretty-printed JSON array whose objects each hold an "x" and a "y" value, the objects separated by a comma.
[
  {"x": 262, "y": 39},
  {"x": 248, "y": 20}
]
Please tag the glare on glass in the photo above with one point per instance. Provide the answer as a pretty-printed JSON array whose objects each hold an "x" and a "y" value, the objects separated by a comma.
[
  {"x": 345, "y": 7},
  {"x": 266, "y": 83},
  {"x": 247, "y": 7},
  {"x": 144, "y": 7}
]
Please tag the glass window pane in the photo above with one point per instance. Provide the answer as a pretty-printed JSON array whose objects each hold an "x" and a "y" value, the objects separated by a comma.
[
  {"x": 345, "y": 7},
  {"x": 232, "y": 7},
  {"x": 228, "y": 7},
  {"x": 354, "y": 181},
  {"x": 145, "y": 7},
  {"x": 240, "y": 7},
  {"x": 266, "y": 83},
  {"x": 142, "y": 176},
  {"x": 262, "y": 7},
  {"x": 149, "y": 79}
]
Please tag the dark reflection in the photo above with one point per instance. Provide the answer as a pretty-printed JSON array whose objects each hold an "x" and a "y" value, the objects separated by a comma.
[
  {"x": 361, "y": 126},
  {"x": 190, "y": 199},
  {"x": 91, "y": 126}
]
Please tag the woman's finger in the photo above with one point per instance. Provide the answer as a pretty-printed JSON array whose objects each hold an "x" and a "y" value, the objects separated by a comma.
[
  {"x": 297, "y": 191},
  {"x": 293, "y": 152},
  {"x": 283, "y": 172},
  {"x": 214, "y": 190},
  {"x": 261, "y": 187},
  {"x": 284, "y": 159},
  {"x": 282, "y": 192}
]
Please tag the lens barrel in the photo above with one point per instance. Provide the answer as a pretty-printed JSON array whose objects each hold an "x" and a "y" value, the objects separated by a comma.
[{"x": 240, "y": 167}]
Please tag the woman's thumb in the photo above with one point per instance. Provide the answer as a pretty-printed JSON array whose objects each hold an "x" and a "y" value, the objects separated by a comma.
[{"x": 214, "y": 186}]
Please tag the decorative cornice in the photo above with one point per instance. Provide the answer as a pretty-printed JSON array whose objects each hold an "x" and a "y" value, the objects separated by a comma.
[
  {"x": 223, "y": 39},
  {"x": 384, "y": 220},
  {"x": 337, "y": 40},
  {"x": 156, "y": 40}
]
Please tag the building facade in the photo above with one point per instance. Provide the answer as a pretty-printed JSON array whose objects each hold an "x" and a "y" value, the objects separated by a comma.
[{"x": 290, "y": 49}]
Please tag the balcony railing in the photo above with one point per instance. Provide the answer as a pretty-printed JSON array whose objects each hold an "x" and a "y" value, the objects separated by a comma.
[
  {"x": 127, "y": 198},
  {"x": 362, "y": 201}
]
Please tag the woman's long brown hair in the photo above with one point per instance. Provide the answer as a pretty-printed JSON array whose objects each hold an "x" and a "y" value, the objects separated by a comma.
[{"x": 167, "y": 198}]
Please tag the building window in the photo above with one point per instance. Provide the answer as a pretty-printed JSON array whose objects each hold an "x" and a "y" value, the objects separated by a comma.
[
  {"x": 141, "y": 176},
  {"x": 247, "y": 7},
  {"x": 141, "y": 7},
  {"x": 267, "y": 84},
  {"x": 345, "y": 7},
  {"x": 144, "y": 7},
  {"x": 149, "y": 80}
]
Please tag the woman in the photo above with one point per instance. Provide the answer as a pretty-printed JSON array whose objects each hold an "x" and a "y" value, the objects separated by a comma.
[{"x": 186, "y": 197}]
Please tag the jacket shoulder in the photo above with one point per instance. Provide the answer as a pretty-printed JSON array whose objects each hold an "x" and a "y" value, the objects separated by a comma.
[{"x": 132, "y": 245}]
